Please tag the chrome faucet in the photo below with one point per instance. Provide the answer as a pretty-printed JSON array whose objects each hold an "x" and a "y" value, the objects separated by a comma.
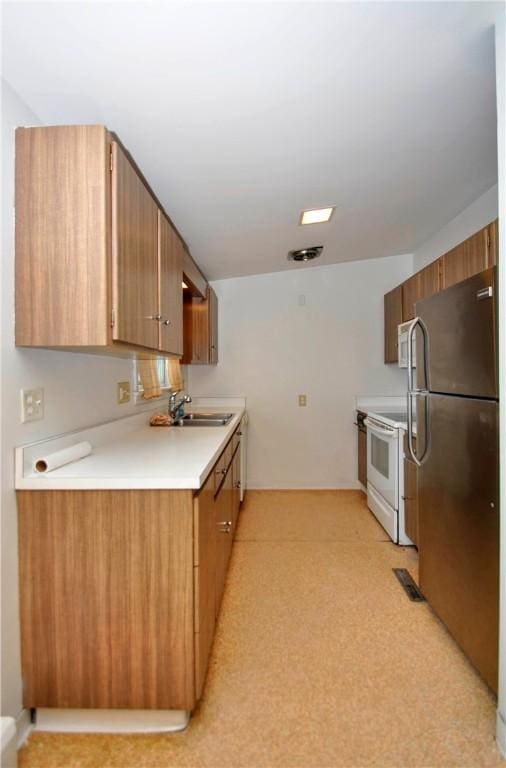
[{"x": 174, "y": 405}]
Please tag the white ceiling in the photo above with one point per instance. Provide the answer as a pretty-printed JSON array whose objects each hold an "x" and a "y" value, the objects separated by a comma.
[{"x": 242, "y": 114}]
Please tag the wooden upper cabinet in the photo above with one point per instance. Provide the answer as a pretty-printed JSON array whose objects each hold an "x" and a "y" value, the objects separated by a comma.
[
  {"x": 213, "y": 326},
  {"x": 420, "y": 286},
  {"x": 194, "y": 278},
  {"x": 170, "y": 275},
  {"x": 474, "y": 255},
  {"x": 493, "y": 243},
  {"x": 200, "y": 334},
  {"x": 393, "y": 317},
  {"x": 134, "y": 255},
  {"x": 62, "y": 236},
  {"x": 98, "y": 263}
]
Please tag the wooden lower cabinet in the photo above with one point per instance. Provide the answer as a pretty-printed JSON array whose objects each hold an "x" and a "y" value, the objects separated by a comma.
[
  {"x": 205, "y": 580},
  {"x": 224, "y": 533},
  {"x": 362, "y": 457},
  {"x": 119, "y": 593},
  {"x": 106, "y": 582}
]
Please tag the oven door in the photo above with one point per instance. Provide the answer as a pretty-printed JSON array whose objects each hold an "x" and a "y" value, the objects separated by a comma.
[{"x": 382, "y": 463}]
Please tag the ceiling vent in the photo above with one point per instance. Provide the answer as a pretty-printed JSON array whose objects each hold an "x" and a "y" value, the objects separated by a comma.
[{"x": 305, "y": 254}]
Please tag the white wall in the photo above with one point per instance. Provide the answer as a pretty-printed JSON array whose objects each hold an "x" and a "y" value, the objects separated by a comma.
[
  {"x": 80, "y": 390},
  {"x": 331, "y": 348},
  {"x": 470, "y": 220}
]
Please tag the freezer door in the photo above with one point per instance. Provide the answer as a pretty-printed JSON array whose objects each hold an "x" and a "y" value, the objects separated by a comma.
[
  {"x": 461, "y": 328},
  {"x": 459, "y": 525}
]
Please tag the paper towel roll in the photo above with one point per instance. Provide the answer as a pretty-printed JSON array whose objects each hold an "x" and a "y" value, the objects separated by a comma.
[{"x": 65, "y": 456}]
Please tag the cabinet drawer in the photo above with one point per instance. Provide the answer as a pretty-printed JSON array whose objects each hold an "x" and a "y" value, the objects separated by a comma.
[
  {"x": 219, "y": 471},
  {"x": 236, "y": 439}
]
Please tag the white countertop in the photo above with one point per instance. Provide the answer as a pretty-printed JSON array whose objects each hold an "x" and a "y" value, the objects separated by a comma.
[{"x": 129, "y": 453}]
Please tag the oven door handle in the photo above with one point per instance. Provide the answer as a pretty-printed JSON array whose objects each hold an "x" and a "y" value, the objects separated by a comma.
[{"x": 375, "y": 427}]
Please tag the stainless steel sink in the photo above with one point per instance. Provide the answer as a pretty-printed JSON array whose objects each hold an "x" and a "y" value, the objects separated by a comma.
[{"x": 204, "y": 420}]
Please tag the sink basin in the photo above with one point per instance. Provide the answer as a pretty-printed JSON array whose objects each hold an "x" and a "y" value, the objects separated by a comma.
[{"x": 204, "y": 420}]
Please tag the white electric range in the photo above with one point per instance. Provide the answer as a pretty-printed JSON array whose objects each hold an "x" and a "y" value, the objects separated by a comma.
[{"x": 385, "y": 470}]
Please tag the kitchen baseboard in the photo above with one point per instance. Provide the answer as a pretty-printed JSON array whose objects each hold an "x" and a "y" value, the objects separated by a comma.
[{"x": 111, "y": 720}]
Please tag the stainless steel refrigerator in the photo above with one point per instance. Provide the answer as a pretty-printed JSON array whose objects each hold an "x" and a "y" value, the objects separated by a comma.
[{"x": 457, "y": 450}]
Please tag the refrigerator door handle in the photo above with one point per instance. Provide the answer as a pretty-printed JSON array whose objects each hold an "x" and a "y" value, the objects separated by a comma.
[{"x": 413, "y": 392}]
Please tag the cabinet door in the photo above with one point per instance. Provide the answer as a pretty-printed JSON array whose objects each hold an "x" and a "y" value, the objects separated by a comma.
[
  {"x": 200, "y": 329},
  {"x": 205, "y": 580},
  {"x": 362, "y": 457},
  {"x": 170, "y": 275},
  {"x": 411, "y": 500},
  {"x": 109, "y": 599},
  {"x": 134, "y": 255},
  {"x": 466, "y": 259},
  {"x": 195, "y": 331},
  {"x": 224, "y": 522},
  {"x": 236, "y": 484},
  {"x": 493, "y": 243},
  {"x": 393, "y": 318},
  {"x": 62, "y": 236},
  {"x": 213, "y": 326},
  {"x": 422, "y": 285}
]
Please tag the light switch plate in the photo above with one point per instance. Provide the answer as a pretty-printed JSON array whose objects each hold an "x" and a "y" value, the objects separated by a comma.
[
  {"x": 123, "y": 392},
  {"x": 32, "y": 404},
  {"x": 302, "y": 400}
]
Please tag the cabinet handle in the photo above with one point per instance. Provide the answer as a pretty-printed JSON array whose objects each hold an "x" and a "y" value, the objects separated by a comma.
[
  {"x": 166, "y": 322},
  {"x": 221, "y": 471},
  {"x": 153, "y": 317},
  {"x": 239, "y": 434},
  {"x": 225, "y": 526}
]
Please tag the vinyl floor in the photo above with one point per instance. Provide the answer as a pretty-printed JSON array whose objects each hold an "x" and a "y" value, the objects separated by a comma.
[{"x": 320, "y": 659}]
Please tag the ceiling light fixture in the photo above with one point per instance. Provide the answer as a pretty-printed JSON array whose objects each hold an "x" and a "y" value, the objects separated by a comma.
[
  {"x": 316, "y": 215},
  {"x": 305, "y": 254}
]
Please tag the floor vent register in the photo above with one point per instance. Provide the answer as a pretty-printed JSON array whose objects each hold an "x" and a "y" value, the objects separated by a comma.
[{"x": 410, "y": 587}]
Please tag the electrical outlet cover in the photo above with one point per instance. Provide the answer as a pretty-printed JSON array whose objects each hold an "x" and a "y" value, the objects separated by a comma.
[
  {"x": 32, "y": 404},
  {"x": 123, "y": 392}
]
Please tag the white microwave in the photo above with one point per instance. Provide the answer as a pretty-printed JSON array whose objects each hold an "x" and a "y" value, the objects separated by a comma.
[{"x": 402, "y": 344}]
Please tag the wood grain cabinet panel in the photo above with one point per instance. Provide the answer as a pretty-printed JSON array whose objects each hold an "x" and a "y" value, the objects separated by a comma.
[
  {"x": 466, "y": 259},
  {"x": 236, "y": 483},
  {"x": 478, "y": 252},
  {"x": 106, "y": 583},
  {"x": 393, "y": 318},
  {"x": 205, "y": 580},
  {"x": 493, "y": 245},
  {"x": 423, "y": 284},
  {"x": 120, "y": 591},
  {"x": 200, "y": 329},
  {"x": 170, "y": 276},
  {"x": 134, "y": 255},
  {"x": 98, "y": 262},
  {"x": 62, "y": 236}
]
